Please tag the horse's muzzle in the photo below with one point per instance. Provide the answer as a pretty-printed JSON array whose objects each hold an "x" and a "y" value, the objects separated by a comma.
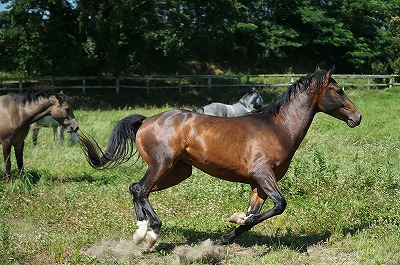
[
  {"x": 354, "y": 121},
  {"x": 72, "y": 127}
]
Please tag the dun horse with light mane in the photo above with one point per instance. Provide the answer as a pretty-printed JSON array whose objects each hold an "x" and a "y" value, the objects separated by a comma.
[{"x": 18, "y": 111}]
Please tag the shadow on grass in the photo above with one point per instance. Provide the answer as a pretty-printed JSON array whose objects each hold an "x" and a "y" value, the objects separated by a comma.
[
  {"x": 298, "y": 243},
  {"x": 85, "y": 177}
]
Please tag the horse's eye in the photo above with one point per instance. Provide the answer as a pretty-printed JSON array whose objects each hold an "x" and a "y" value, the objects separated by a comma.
[
  {"x": 67, "y": 109},
  {"x": 340, "y": 92}
]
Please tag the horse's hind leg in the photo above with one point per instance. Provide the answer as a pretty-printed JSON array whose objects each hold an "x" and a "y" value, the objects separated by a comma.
[
  {"x": 140, "y": 193},
  {"x": 19, "y": 150},
  {"x": 143, "y": 209}
]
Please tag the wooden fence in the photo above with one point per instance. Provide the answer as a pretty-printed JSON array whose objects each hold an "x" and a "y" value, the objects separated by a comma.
[{"x": 188, "y": 81}]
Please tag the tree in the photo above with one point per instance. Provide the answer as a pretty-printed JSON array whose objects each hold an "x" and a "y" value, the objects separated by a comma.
[{"x": 81, "y": 37}]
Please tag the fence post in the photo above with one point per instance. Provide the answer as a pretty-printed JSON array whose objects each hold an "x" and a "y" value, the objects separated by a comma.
[
  {"x": 83, "y": 86},
  {"x": 117, "y": 86},
  {"x": 369, "y": 83},
  {"x": 209, "y": 82},
  {"x": 20, "y": 85},
  {"x": 265, "y": 81},
  {"x": 391, "y": 82}
]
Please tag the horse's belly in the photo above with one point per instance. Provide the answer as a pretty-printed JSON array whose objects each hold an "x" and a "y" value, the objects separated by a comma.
[{"x": 225, "y": 172}]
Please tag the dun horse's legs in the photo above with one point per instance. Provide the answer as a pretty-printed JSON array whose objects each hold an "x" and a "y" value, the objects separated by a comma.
[
  {"x": 6, "y": 157},
  {"x": 19, "y": 149}
]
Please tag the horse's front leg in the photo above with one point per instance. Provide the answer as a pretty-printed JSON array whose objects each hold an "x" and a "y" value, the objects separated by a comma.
[
  {"x": 269, "y": 186},
  {"x": 6, "y": 158},
  {"x": 256, "y": 203}
]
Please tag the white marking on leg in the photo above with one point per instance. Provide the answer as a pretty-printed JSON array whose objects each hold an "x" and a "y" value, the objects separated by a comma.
[
  {"x": 140, "y": 233},
  {"x": 151, "y": 238},
  {"x": 249, "y": 209}
]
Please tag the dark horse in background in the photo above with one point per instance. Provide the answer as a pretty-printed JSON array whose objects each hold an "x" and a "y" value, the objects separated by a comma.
[
  {"x": 255, "y": 149},
  {"x": 251, "y": 101},
  {"x": 18, "y": 111}
]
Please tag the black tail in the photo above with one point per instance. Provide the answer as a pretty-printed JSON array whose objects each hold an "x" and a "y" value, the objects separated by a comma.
[{"x": 120, "y": 145}]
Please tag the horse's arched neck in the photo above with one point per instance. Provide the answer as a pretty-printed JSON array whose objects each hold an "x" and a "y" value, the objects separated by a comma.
[
  {"x": 297, "y": 115},
  {"x": 34, "y": 111}
]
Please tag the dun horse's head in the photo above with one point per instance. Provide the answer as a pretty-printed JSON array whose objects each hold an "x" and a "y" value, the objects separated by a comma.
[
  {"x": 62, "y": 112},
  {"x": 333, "y": 101}
]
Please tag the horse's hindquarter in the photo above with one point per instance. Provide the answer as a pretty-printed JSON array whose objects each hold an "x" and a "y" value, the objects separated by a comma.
[{"x": 227, "y": 148}]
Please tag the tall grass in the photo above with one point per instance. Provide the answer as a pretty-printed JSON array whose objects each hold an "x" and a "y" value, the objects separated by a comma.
[{"x": 342, "y": 189}]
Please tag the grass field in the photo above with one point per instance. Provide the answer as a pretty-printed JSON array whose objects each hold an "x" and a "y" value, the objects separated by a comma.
[{"x": 342, "y": 190}]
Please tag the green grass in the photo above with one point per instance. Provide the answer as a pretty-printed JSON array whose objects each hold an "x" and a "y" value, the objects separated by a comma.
[{"x": 342, "y": 189}]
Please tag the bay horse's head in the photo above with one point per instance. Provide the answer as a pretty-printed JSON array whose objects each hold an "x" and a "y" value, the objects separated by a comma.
[
  {"x": 62, "y": 112},
  {"x": 333, "y": 101}
]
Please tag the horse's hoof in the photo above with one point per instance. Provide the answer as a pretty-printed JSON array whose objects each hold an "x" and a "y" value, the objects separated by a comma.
[
  {"x": 238, "y": 218},
  {"x": 151, "y": 238},
  {"x": 138, "y": 237},
  {"x": 140, "y": 233}
]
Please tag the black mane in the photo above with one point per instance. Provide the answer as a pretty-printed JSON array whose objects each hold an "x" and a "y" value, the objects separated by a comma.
[
  {"x": 33, "y": 94},
  {"x": 302, "y": 85}
]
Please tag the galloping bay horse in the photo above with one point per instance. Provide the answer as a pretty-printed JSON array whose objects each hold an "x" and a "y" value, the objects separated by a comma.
[
  {"x": 255, "y": 149},
  {"x": 18, "y": 111},
  {"x": 251, "y": 101}
]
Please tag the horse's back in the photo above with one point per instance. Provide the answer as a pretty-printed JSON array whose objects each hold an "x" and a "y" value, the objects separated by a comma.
[{"x": 216, "y": 109}]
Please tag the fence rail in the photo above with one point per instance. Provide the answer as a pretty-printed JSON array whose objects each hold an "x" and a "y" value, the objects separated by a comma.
[{"x": 187, "y": 81}]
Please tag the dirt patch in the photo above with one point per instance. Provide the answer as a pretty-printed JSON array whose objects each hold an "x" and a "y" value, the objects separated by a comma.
[
  {"x": 124, "y": 250},
  {"x": 205, "y": 252}
]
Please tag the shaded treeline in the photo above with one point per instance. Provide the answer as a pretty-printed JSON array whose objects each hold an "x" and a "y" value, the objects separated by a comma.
[{"x": 80, "y": 37}]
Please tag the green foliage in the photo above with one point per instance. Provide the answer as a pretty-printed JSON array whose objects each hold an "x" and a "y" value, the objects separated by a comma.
[{"x": 98, "y": 37}]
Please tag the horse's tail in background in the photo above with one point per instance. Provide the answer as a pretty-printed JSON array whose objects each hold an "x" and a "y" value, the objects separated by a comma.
[{"x": 120, "y": 145}]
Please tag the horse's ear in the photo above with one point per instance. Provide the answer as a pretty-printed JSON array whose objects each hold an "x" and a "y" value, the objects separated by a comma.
[
  {"x": 59, "y": 98},
  {"x": 330, "y": 72},
  {"x": 317, "y": 68}
]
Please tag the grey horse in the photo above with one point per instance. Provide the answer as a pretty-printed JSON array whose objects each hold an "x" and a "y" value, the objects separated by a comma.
[
  {"x": 50, "y": 122},
  {"x": 251, "y": 101}
]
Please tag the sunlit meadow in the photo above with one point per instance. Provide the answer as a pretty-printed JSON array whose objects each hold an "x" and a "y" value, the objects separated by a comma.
[{"x": 342, "y": 190}]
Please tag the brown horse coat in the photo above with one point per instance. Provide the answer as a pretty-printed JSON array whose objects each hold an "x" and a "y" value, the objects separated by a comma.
[{"x": 256, "y": 149}]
